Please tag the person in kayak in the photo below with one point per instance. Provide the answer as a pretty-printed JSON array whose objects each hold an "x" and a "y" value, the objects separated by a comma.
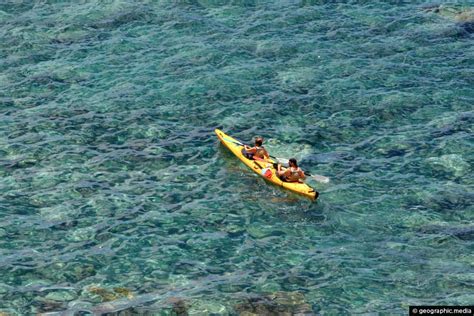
[
  {"x": 291, "y": 174},
  {"x": 257, "y": 151}
]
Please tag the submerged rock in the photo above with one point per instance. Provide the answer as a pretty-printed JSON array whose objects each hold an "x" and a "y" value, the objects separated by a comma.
[
  {"x": 465, "y": 16},
  {"x": 179, "y": 306},
  {"x": 462, "y": 16},
  {"x": 81, "y": 271},
  {"x": 449, "y": 11},
  {"x": 45, "y": 305},
  {"x": 79, "y": 305},
  {"x": 451, "y": 163},
  {"x": 278, "y": 303},
  {"x": 60, "y": 296},
  {"x": 234, "y": 230},
  {"x": 463, "y": 233},
  {"x": 201, "y": 307}
]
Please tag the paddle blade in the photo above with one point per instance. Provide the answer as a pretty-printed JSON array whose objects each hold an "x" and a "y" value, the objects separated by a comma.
[
  {"x": 319, "y": 178},
  {"x": 280, "y": 160}
]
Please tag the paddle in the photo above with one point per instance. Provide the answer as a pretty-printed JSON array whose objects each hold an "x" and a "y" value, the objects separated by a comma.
[
  {"x": 234, "y": 141},
  {"x": 316, "y": 177}
]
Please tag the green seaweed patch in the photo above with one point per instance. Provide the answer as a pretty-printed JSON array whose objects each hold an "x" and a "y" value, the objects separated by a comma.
[
  {"x": 123, "y": 291},
  {"x": 107, "y": 295}
]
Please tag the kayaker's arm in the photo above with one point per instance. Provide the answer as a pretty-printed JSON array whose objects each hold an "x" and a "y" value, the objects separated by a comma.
[
  {"x": 283, "y": 172},
  {"x": 302, "y": 175},
  {"x": 251, "y": 150},
  {"x": 279, "y": 171}
]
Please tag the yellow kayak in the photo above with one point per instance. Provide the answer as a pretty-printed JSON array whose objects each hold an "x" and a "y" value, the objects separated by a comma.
[{"x": 265, "y": 168}]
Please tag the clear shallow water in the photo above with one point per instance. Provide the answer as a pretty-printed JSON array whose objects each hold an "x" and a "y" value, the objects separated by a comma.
[{"x": 115, "y": 189}]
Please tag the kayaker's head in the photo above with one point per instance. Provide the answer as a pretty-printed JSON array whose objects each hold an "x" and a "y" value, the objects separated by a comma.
[
  {"x": 258, "y": 141},
  {"x": 292, "y": 162}
]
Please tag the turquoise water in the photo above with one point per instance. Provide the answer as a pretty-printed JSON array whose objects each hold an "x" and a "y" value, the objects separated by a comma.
[{"x": 116, "y": 195}]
